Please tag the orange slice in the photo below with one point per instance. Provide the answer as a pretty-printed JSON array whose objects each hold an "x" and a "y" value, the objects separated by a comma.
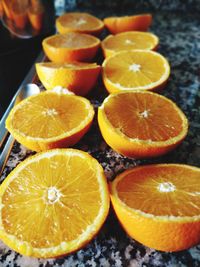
[
  {"x": 141, "y": 124},
  {"x": 50, "y": 120},
  {"x": 71, "y": 46},
  {"x": 128, "y": 23},
  {"x": 53, "y": 203},
  {"x": 78, "y": 77},
  {"x": 136, "y": 69},
  {"x": 158, "y": 205},
  {"x": 129, "y": 41},
  {"x": 79, "y": 22}
]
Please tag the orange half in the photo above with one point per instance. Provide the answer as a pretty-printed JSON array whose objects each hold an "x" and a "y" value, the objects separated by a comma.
[
  {"x": 71, "y": 46},
  {"x": 128, "y": 23},
  {"x": 50, "y": 120},
  {"x": 78, "y": 77},
  {"x": 158, "y": 205},
  {"x": 129, "y": 41},
  {"x": 141, "y": 124},
  {"x": 53, "y": 203},
  {"x": 135, "y": 70},
  {"x": 79, "y": 22}
]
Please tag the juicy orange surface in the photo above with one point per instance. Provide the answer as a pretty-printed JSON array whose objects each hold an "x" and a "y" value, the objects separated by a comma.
[
  {"x": 48, "y": 203},
  {"x": 158, "y": 205},
  {"x": 66, "y": 112},
  {"x": 145, "y": 117},
  {"x": 72, "y": 46},
  {"x": 139, "y": 22},
  {"x": 167, "y": 188},
  {"x": 137, "y": 69},
  {"x": 129, "y": 41},
  {"x": 141, "y": 124},
  {"x": 71, "y": 40},
  {"x": 79, "y": 22},
  {"x": 50, "y": 120}
]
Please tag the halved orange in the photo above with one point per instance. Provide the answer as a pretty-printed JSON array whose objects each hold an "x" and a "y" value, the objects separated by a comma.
[
  {"x": 78, "y": 77},
  {"x": 129, "y": 41},
  {"x": 79, "y": 22},
  {"x": 158, "y": 205},
  {"x": 53, "y": 203},
  {"x": 71, "y": 46},
  {"x": 136, "y": 69},
  {"x": 128, "y": 23},
  {"x": 50, "y": 120},
  {"x": 141, "y": 124}
]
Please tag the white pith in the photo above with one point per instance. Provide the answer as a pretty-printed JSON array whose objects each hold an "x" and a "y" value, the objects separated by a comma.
[
  {"x": 50, "y": 112},
  {"x": 135, "y": 67},
  {"x": 53, "y": 195},
  {"x": 166, "y": 187},
  {"x": 81, "y": 21},
  {"x": 144, "y": 114}
]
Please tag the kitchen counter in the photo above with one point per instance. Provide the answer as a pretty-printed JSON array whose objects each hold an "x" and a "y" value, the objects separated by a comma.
[{"x": 180, "y": 42}]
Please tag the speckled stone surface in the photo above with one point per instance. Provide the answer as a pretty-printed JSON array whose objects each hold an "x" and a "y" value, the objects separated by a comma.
[{"x": 180, "y": 42}]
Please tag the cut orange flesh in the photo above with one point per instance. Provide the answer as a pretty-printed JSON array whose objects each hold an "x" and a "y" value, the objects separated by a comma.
[
  {"x": 158, "y": 205},
  {"x": 136, "y": 69},
  {"x": 129, "y": 41},
  {"x": 78, "y": 77},
  {"x": 79, "y": 22},
  {"x": 53, "y": 203},
  {"x": 141, "y": 124},
  {"x": 50, "y": 120},
  {"x": 128, "y": 23},
  {"x": 71, "y": 46}
]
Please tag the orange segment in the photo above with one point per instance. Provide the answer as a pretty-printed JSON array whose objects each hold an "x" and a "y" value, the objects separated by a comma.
[
  {"x": 50, "y": 120},
  {"x": 136, "y": 69},
  {"x": 71, "y": 46},
  {"x": 78, "y": 77},
  {"x": 79, "y": 22},
  {"x": 47, "y": 203},
  {"x": 129, "y": 41},
  {"x": 158, "y": 205},
  {"x": 141, "y": 124},
  {"x": 128, "y": 23}
]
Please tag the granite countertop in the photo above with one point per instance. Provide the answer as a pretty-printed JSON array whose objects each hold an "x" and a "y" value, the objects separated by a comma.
[{"x": 180, "y": 42}]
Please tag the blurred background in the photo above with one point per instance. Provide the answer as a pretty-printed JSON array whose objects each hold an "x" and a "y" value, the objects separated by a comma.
[{"x": 23, "y": 25}]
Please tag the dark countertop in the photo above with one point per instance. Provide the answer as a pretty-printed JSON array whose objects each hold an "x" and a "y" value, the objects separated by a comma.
[{"x": 180, "y": 42}]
